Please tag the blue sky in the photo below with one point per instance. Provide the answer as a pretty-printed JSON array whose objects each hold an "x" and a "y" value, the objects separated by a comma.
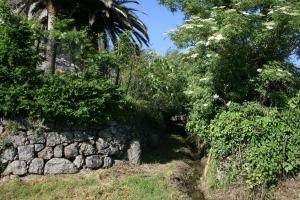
[{"x": 159, "y": 20}]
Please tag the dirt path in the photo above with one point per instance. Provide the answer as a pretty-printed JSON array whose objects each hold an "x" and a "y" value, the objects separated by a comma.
[{"x": 187, "y": 165}]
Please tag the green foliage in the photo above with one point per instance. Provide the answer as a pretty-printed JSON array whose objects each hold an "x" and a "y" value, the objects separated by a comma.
[
  {"x": 17, "y": 90},
  {"x": 17, "y": 36},
  {"x": 75, "y": 99},
  {"x": 295, "y": 102},
  {"x": 276, "y": 84},
  {"x": 260, "y": 144},
  {"x": 241, "y": 82},
  {"x": 157, "y": 81},
  {"x": 163, "y": 83}
]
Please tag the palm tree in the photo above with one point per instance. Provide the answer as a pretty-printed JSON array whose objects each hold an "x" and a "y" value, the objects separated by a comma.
[
  {"x": 110, "y": 21},
  {"x": 108, "y": 18}
]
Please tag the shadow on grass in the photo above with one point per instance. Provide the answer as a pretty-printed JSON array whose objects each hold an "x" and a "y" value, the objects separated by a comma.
[{"x": 174, "y": 147}]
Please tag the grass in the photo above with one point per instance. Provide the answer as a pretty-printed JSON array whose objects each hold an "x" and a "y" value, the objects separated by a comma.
[
  {"x": 137, "y": 187},
  {"x": 92, "y": 186}
]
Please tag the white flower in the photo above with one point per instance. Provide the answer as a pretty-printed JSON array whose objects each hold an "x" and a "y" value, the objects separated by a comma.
[
  {"x": 259, "y": 70},
  {"x": 294, "y": 14},
  {"x": 216, "y": 96},
  {"x": 169, "y": 32},
  {"x": 189, "y": 92},
  {"x": 195, "y": 55},
  {"x": 228, "y": 104},
  {"x": 195, "y": 17},
  {"x": 283, "y": 8},
  {"x": 203, "y": 79},
  {"x": 219, "y": 37},
  {"x": 205, "y": 105},
  {"x": 187, "y": 26},
  {"x": 214, "y": 28},
  {"x": 187, "y": 51},
  {"x": 208, "y": 20},
  {"x": 259, "y": 14},
  {"x": 230, "y": 10},
  {"x": 200, "y": 43},
  {"x": 270, "y": 25}
]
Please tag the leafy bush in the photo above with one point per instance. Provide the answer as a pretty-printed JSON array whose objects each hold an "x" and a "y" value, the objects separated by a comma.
[
  {"x": 295, "y": 102},
  {"x": 17, "y": 90},
  {"x": 259, "y": 143},
  {"x": 17, "y": 37},
  {"x": 276, "y": 84},
  {"x": 75, "y": 99}
]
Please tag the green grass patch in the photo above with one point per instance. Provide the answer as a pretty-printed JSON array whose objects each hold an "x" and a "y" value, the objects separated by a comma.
[
  {"x": 139, "y": 187},
  {"x": 80, "y": 187}
]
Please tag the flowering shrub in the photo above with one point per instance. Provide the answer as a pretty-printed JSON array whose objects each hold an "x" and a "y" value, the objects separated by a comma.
[{"x": 257, "y": 143}]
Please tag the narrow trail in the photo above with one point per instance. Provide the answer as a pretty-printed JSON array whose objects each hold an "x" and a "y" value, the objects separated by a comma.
[{"x": 187, "y": 165}]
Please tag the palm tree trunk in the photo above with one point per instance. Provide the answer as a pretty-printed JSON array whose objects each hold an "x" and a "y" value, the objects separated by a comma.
[
  {"x": 118, "y": 71},
  {"x": 51, "y": 46}
]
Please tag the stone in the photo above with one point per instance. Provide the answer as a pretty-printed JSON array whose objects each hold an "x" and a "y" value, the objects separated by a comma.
[
  {"x": 71, "y": 151},
  {"x": 110, "y": 151},
  {"x": 17, "y": 167},
  {"x": 107, "y": 162},
  {"x": 81, "y": 136},
  {"x": 79, "y": 161},
  {"x": 101, "y": 144},
  {"x": 16, "y": 140},
  {"x": 94, "y": 162},
  {"x": 30, "y": 132},
  {"x": 67, "y": 137},
  {"x": 134, "y": 152},
  {"x": 53, "y": 139},
  {"x": 46, "y": 153},
  {"x": 105, "y": 133},
  {"x": 26, "y": 153},
  {"x": 37, "y": 139},
  {"x": 114, "y": 128},
  {"x": 60, "y": 166},
  {"x": 87, "y": 149},
  {"x": 39, "y": 147},
  {"x": 36, "y": 166},
  {"x": 58, "y": 151},
  {"x": 8, "y": 155}
]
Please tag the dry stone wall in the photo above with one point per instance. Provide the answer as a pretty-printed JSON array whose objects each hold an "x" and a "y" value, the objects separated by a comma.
[{"x": 65, "y": 152}]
